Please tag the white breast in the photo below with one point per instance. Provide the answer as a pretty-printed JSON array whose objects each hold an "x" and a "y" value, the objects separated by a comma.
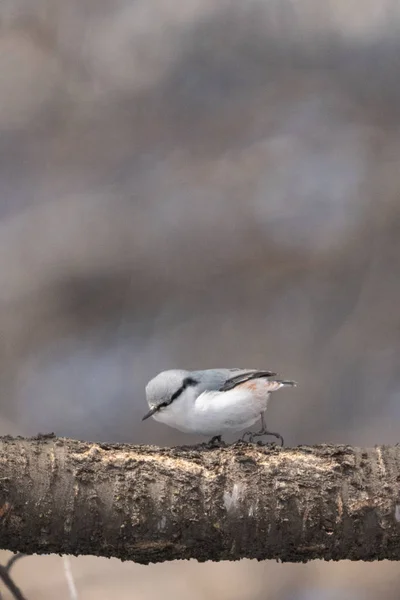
[{"x": 215, "y": 413}]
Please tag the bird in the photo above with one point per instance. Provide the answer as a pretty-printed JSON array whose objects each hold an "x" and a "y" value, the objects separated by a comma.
[{"x": 213, "y": 402}]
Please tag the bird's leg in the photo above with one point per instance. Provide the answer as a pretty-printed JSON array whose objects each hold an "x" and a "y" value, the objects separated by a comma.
[{"x": 264, "y": 431}]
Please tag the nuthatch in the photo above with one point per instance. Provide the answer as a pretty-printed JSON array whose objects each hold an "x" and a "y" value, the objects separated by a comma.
[{"x": 214, "y": 401}]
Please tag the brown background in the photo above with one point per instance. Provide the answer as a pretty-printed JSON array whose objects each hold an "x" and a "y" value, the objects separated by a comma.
[{"x": 196, "y": 184}]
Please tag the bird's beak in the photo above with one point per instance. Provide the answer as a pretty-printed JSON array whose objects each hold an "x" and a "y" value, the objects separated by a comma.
[{"x": 150, "y": 413}]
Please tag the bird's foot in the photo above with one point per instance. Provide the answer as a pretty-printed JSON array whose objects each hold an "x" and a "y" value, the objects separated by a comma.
[
  {"x": 215, "y": 442},
  {"x": 252, "y": 435},
  {"x": 276, "y": 435}
]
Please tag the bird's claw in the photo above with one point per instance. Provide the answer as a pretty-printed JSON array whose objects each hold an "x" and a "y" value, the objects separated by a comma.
[
  {"x": 215, "y": 442},
  {"x": 253, "y": 435}
]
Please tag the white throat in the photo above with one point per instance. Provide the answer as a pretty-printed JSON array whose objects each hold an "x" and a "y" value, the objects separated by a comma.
[{"x": 180, "y": 413}]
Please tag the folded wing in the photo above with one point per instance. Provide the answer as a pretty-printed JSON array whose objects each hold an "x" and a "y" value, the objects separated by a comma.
[{"x": 244, "y": 376}]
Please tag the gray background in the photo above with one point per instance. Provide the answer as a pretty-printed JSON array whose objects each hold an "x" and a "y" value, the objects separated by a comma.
[{"x": 196, "y": 184}]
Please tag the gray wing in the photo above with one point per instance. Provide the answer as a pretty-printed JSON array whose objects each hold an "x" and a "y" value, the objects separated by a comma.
[
  {"x": 243, "y": 377},
  {"x": 226, "y": 379}
]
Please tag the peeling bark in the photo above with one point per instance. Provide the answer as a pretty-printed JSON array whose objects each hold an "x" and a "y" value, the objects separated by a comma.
[{"x": 150, "y": 504}]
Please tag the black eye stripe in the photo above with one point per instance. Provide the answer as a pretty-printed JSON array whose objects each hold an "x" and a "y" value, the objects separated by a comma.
[{"x": 187, "y": 382}]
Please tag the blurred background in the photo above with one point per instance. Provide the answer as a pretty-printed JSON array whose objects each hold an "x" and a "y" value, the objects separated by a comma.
[{"x": 198, "y": 184}]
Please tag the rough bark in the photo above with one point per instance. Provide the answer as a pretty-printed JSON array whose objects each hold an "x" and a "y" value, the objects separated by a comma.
[{"x": 150, "y": 504}]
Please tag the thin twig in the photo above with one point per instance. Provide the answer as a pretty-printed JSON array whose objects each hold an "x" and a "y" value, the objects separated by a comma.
[
  {"x": 7, "y": 580},
  {"x": 13, "y": 560},
  {"x": 73, "y": 592}
]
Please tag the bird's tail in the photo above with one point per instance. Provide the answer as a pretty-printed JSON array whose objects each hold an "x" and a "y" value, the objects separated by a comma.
[
  {"x": 286, "y": 383},
  {"x": 277, "y": 384}
]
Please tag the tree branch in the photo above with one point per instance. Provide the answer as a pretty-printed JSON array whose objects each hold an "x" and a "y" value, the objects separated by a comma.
[{"x": 152, "y": 504}]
